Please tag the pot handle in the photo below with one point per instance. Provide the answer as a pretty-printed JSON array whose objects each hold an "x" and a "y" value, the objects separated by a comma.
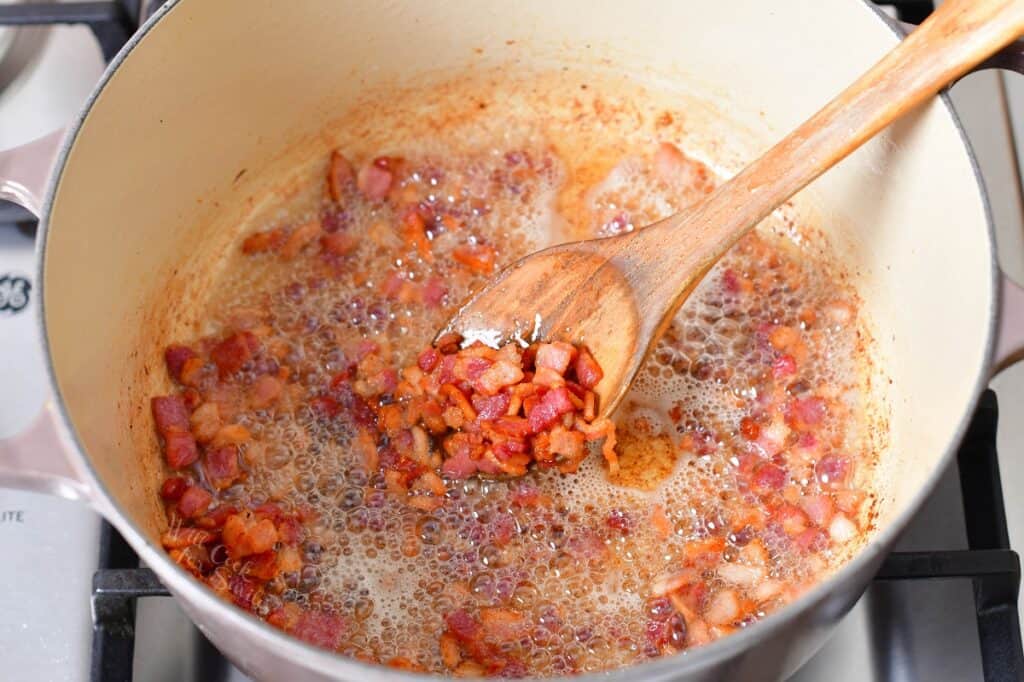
[
  {"x": 1009, "y": 345},
  {"x": 25, "y": 171},
  {"x": 36, "y": 459}
]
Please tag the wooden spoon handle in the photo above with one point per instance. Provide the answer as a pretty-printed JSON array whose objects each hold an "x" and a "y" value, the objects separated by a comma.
[{"x": 956, "y": 37}]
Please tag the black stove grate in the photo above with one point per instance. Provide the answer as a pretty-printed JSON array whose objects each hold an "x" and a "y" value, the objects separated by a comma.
[{"x": 989, "y": 562}]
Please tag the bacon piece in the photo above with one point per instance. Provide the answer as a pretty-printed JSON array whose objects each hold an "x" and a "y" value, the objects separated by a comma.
[
  {"x": 170, "y": 414},
  {"x": 180, "y": 449},
  {"x": 173, "y": 488},
  {"x": 175, "y": 356},
  {"x": 556, "y": 356},
  {"x": 428, "y": 359},
  {"x": 477, "y": 257},
  {"x": 265, "y": 391},
  {"x": 339, "y": 243},
  {"x": 194, "y": 502},
  {"x": 260, "y": 242},
  {"x": 243, "y": 591},
  {"x": 179, "y": 538},
  {"x": 553, "y": 405},
  {"x": 588, "y": 372},
  {"x": 221, "y": 466},
  {"x": 244, "y": 535},
  {"x": 300, "y": 237},
  {"x": 804, "y": 413},
  {"x": 234, "y": 351},
  {"x": 205, "y": 422},
  {"x": 340, "y": 176},
  {"x": 498, "y": 376},
  {"x": 434, "y": 292},
  {"x": 491, "y": 407},
  {"x": 321, "y": 628},
  {"x": 374, "y": 182}
]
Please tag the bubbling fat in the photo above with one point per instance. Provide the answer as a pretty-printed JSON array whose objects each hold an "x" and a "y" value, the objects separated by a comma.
[{"x": 580, "y": 565}]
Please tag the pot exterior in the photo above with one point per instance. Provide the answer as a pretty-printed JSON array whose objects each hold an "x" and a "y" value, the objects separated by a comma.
[{"x": 196, "y": 97}]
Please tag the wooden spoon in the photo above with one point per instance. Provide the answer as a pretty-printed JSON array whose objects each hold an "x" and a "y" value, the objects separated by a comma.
[{"x": 617, "y": 295}]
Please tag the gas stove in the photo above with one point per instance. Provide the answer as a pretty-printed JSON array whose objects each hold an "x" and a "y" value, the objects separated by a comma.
[{"x": 77, "y": 605}]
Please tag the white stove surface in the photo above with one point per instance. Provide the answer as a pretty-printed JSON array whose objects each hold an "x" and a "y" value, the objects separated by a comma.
[{"x": 898, "y": 632}]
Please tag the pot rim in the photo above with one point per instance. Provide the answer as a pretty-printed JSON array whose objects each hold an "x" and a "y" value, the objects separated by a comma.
[{"x": 203, "y": 599}]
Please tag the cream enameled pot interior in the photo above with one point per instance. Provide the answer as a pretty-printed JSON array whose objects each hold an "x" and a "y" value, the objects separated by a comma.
[{"x": 152, "y": 190}]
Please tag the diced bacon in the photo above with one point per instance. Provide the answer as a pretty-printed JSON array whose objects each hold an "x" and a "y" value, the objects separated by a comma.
[
  {"x": 568, "y": 447},
  {"x": 723, "y": 609},
  {"x": 170, "y": 414},
  {"x": 205, "y": 422},
  {"x": 477, "y": 257},
  {"x": 173, "y": 488},
  {"x": 271, "y": 240},
  {"x": 194, "y": 502},
  {"x": 749, "y": 428},
  {"x": 588, "y": 372},
  {"x": 660, "y": 522},
  {"x": 850, "y": 501},
  {"x": 374, "y": 182},
  {"x": 320, "y": 628},
  {"x": 340, "y": 176},
  {"x": 325, "y": 406},
  {"x": 221, "y": 466},
  {"x": 783, "y": 366},
  {"x": 233, "y": 352},
  {"x": 498, "y": 376},
  {"x": 738, "y": 574},
  {"x": 556, "y": 356},
  {"x": 811, "y": 540},
  {"x": 414, "y": 232},
  {"x": 450, "y": 654},
  {"x": 265, "y": 391},
  {"x": 460, "y": 466},
  {"x": 300, "y": 237},
  {"x": 391, "y": 286},
  {"x": 232, "y": 434},
  {"x": 179, "y": 538},
  {"x": 769, "y": 477},
  {"x": 553, "y": 405},
  {"x": 819, "y": 509},
  {"x": 340, "y": 243},
  {"x": 782, "y": 338},
  {"x": 491, "y": 407},
  {"x": 586, "y": 545},
  {"x": 791, "y": 518},
  {"x": 620, "y": 520},
  {"x": 244, "y": 536},
  {"x": 503, "y": 625},
  {"x": 545, "y": 376},
  {"x": 832, "y": 470},
  {"x": 428, "y": 359},
  {"x": 175, "y": 357},
  {"x": 215, "y": 518},
  {"x": 804, "y": 413},
  {"x": 462, "y": 625},
  {"x": 180, "y": 449},
  {"x": 434, "y": 292}
]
